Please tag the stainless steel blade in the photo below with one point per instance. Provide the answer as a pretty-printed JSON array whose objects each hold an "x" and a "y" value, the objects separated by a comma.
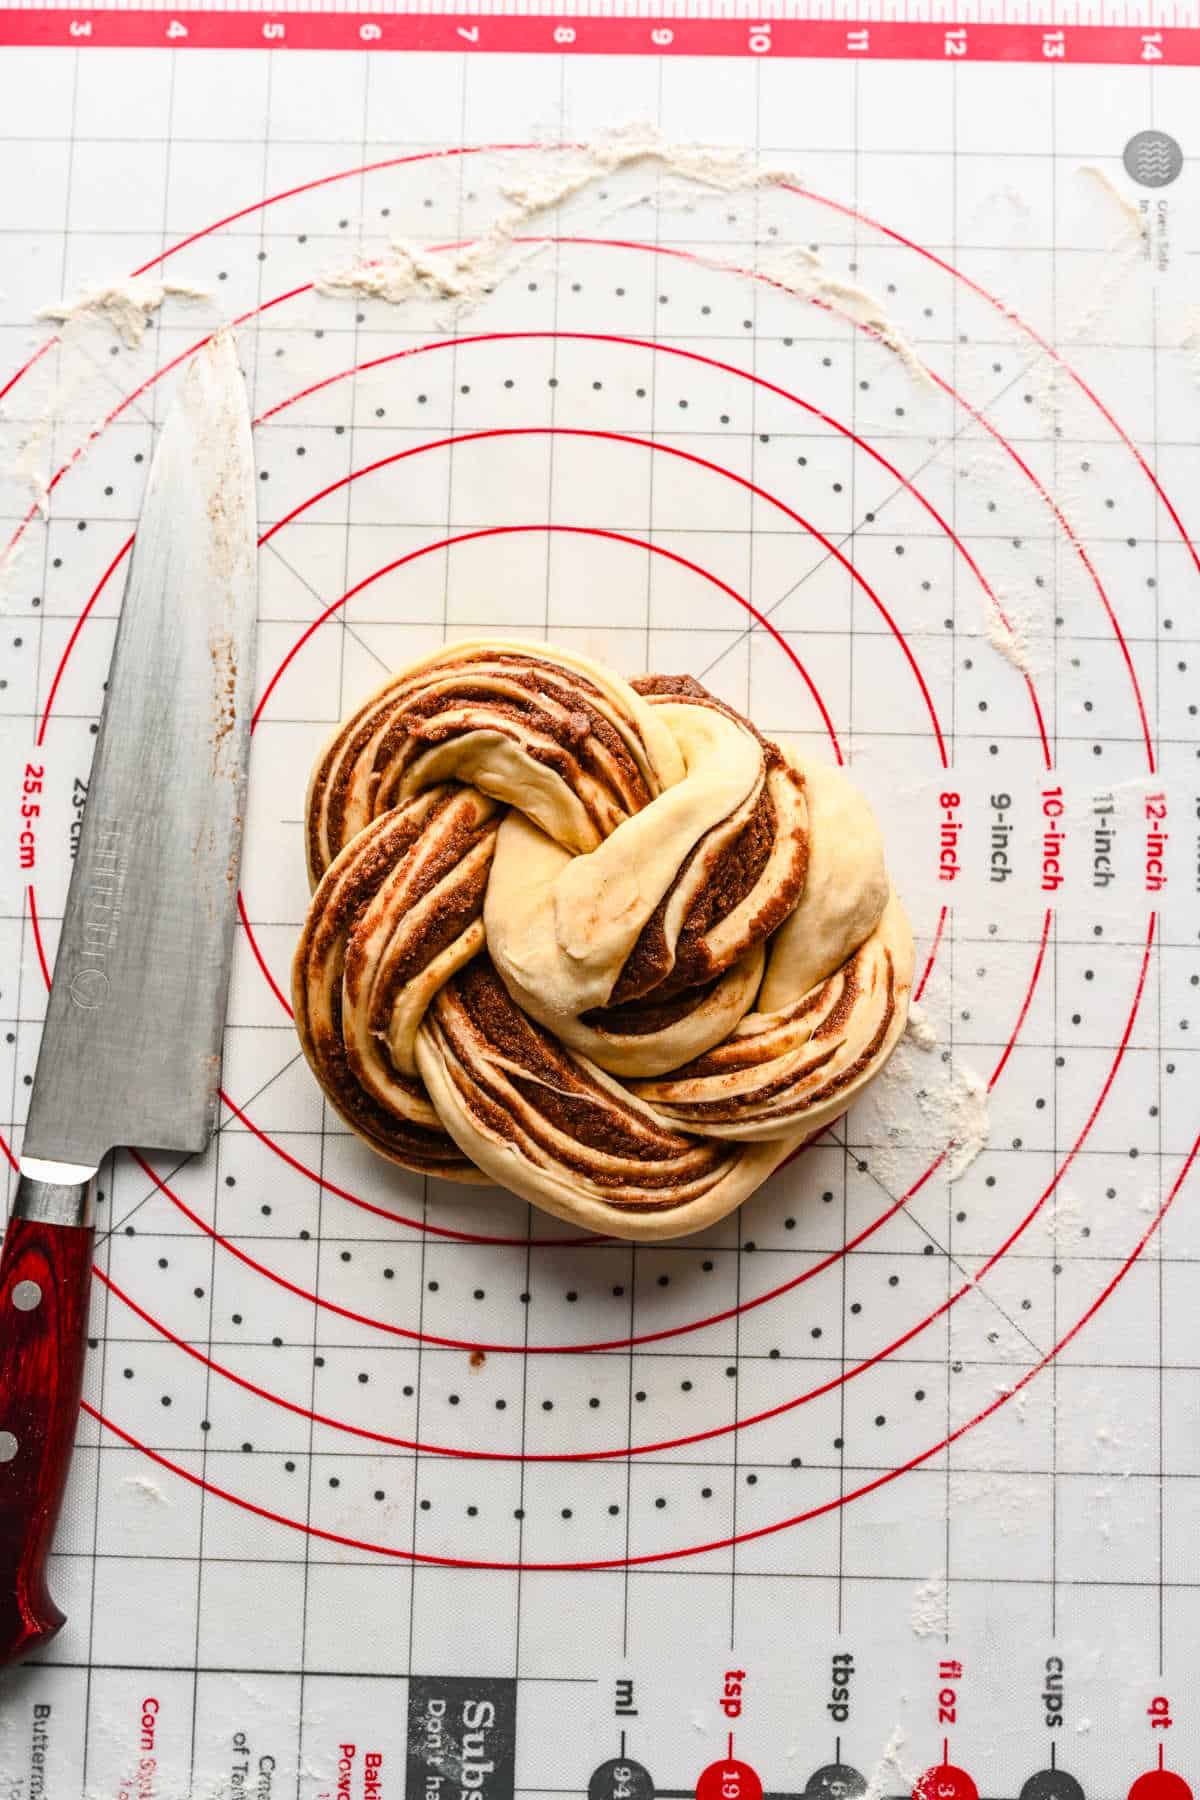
[{"x": 131, "y": 1051}]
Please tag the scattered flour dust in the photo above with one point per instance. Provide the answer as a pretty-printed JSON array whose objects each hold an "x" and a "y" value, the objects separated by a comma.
[
  {"x": 889, "y": 1771},
  {"x": 930, "y": 1614},
  {"x": 31, "y": 460},
  {"x": 31, "y": 464},
  {"x": 1125, "y": 258},
  {"x": 968, "y": 1103},
  {"x": 922, "y": 1109},
  {"x": 921, "y": 1030},
  {"x": 465, "y": 274},
  {"x": 1100, "y": 1499},
  {"x": 1064, "y": 1219},
  {"x": 145, "y": 1489},
  {"x": 128, "y": 306},
  {"x": 125, "y": 307},
  {"x": 1132, "y": 217},
  {"x": 801, "y": 272},
  {"x": 1017, "y": 627},
  {"x": 1009, "y": 629},
  {"x": 1190, "y": 339}
]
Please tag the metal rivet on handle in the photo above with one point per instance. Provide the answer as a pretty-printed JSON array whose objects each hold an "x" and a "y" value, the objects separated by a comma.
[
  {"x": 8, "y": 1446},
  {"x": 26, "y": 1295}
]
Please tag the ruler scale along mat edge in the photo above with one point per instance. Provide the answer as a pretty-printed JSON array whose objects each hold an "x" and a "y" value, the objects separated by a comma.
[
  {"x": 680, "y": 34},
  {"x": 968, "y": 1579}
]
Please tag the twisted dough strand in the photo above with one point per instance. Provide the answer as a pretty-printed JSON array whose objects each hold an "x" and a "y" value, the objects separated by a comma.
[{"x": 598, "y": 941}]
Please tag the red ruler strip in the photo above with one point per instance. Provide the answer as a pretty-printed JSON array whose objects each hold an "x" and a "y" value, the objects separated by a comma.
[{"x": 876, "y": 40}]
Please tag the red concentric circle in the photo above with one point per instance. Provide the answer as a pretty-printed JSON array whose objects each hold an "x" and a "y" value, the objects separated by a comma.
[{"x": 695, "y": 569}]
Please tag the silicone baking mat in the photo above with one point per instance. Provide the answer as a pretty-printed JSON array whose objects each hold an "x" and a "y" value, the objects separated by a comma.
[{"x": 891, "y": 1481}]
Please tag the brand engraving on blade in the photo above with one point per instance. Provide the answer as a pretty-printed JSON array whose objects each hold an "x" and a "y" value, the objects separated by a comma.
[{"x": 100, "y": 917}]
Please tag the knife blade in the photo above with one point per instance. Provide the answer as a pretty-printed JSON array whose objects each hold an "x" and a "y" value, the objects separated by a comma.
[{"x": 131, "y": 1048}]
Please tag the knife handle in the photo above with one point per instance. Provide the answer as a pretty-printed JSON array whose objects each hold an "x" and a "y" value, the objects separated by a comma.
[{"x": 45, "y": 1268}]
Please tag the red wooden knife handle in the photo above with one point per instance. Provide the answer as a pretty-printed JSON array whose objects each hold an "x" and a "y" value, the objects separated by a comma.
[{"x": 45, "y": 1268}]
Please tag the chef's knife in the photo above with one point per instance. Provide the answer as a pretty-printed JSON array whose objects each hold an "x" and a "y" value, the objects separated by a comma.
[{"x": 131, "y": 1051}]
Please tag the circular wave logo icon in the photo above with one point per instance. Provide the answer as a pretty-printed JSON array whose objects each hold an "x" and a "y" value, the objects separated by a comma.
[{"x": 1153, "y": 158}]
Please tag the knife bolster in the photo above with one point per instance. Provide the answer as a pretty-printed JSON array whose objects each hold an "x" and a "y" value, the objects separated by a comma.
[{"x": 56, "y": 1202}]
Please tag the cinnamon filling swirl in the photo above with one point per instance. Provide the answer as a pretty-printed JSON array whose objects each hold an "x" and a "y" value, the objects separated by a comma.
[
  {"x": 598, "y": 941},
  {"x": 394, "y": 914}
]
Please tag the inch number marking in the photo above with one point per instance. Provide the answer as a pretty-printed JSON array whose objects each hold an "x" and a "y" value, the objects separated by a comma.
[
  {"x": 1054, "y": 836},
  {"x": 1157, "y": 837},
  {"x": 949, "y": 828}
]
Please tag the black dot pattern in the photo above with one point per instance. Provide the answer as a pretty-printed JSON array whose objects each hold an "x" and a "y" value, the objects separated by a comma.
[{"x": 351, "y": 1360}]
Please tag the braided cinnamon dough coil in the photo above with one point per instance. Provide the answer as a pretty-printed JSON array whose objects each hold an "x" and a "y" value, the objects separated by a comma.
[{"x": 598, "y": 941}]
